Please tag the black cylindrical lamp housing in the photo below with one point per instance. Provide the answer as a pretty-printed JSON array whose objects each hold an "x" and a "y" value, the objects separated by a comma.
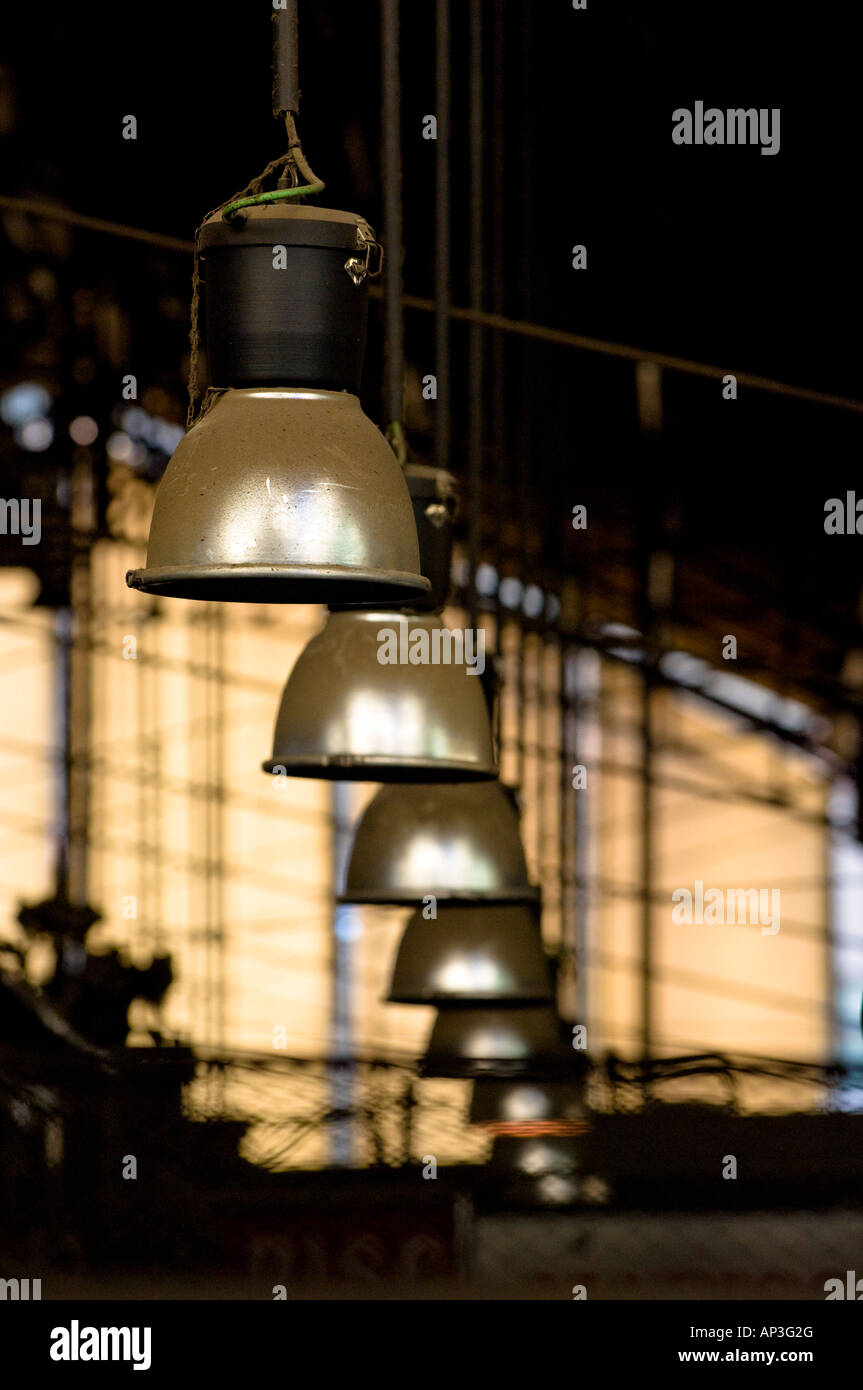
[
  {"x": 285, "y": 297},
  {"x": 434, "y": 498}
]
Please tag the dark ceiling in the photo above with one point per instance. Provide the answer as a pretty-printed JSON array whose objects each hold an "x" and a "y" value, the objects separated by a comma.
[{"x": 718, "y": 254}]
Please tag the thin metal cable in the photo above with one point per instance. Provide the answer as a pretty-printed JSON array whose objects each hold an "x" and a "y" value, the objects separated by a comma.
[
  {"x": 476, "y": 342},
  {"x": 441, "y": 305},
  {"x": 392, "y": 231},
  {"x": 498, "y": 322},
  {"x": 290, "y": 164}
]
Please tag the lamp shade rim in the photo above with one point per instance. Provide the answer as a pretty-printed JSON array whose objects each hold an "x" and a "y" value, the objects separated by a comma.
[
  {"x": 457, "y": 842},
  {"x": 527, "y": 893},
  {"x": 278, "y": 583},
  {"x": 380, "y": 767},
  {"x": 473, "y": 958},
  {"x": 468, "y": 1068},
  {"x": 353, "y": 710},
  {"x": 526, "y": 994}
]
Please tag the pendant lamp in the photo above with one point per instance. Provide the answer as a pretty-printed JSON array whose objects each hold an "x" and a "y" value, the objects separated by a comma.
[
  {"x": 458, "y": 843},
  {"x": 537, "y": 1157},
  {"x": 282, "y": 490},
  {"x": 515, "y": 1041},
  {"x": 472, "y": 955},
  {"x": 531, "y": 1107},
  {"x": 380, "y": 695},
  {"x": 545, "y": 1171}
]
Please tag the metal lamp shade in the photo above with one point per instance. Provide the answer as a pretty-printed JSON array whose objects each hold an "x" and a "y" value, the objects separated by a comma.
[
  {"x": 434, "y": 494},
  {"x": 471, "y": 955},
  {"x": 515, "y": 1041},
  {"x": 528, "y": 1108},
  {"x": 344, "y": 714},
  {"x": 283, "y": 496},
  {"x": 537, "y": 1157},
  {"x": 545, "y": 1171},
  {"x": 459, "y": 843}
]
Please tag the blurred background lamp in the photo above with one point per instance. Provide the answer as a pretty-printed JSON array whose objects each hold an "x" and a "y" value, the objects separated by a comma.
[
  {"x": 35, "y": 435},
  {"x": 470, "y": 955},
  {"x": 519, "y": 1040},
  {"x": 542, "y": 1171},
  {"x": 83, "y": 430},
  {"x": 536, "y": 1156},
  {"x": 25, "y": 401},
  {"x": 458, "y": 842},
  {"x": 530, "y": 1107}
]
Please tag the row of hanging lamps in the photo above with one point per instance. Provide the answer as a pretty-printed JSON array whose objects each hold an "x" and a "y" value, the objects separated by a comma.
[
  {"x": 478, "y": 955},
  {"x": 431, "y": 837},
  {"x": 282, "y": 490}
]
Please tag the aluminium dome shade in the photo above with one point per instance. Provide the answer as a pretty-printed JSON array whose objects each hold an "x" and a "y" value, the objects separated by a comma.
[
  {"x": 471, "y": 955},
  {"x": 543, "y": 1171},
  {"x": 283, "y": 496},
  {"x": 523, "y": 1040},
  {"x": 458, "y": 842},
  {"x": 346, "y": 715},
  {"x": 538, "y": 1156},
  {"x": 434, "y": 495}
]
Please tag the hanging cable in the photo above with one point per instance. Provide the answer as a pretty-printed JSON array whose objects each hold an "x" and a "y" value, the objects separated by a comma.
[
  {"x": 291, "y": 164},
  {"x": 393, "y": 287},
  {"x": 291, "y": 167},
  {"x": 476, "y": 339},
  {"x": 442, "y": 236},
  {"x": 286, "y": 70}
]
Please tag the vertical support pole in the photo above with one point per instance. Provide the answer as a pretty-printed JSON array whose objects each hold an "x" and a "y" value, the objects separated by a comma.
[
  {"x": 347, "y": 926},
  {"x": 408, "y": 1107},
  {"x": 215, "y": 1002},
  {"x": 584, "y": 678},
  {"x": 524, "y": 98},
  {"x": 498, "y": 401},
  {"x": 647, "y": 853},
  {"x": 443, "y": 287},
  {"x": 392, "y": 230},
  {"x": 63, "y": 628},
  {"x": 648, "y": 386},
  {"x": 218, "y": 827},
  {"x": 843, "y": 913},
  {"x": 77, "y": 659},
  {"x": 476, "y": 341},
  {"x": 833, "y": 845}
]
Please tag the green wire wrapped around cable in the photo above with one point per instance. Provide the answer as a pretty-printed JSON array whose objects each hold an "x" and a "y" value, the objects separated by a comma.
[{"x": 272, "y": 197}]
